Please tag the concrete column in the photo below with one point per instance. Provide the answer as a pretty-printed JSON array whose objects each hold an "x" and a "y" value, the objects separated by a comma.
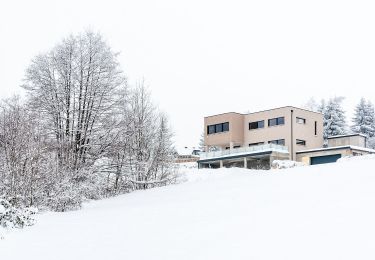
[
  {"x": 245, "y": 163},
  {"x": 221, "y": 164}
]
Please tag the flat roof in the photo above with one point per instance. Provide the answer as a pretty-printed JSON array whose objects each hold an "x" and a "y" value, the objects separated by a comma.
[
  {"x": 264, "y": 111},
  {"x": 352, "y": 147},
  {"x": 347, "y": 135}
]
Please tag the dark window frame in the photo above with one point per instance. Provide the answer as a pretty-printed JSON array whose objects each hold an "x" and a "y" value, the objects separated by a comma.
[
  {"x": 218, "y": 128},
  {"x": 300, "y": 142},
  {"x": 256, "y": 125},
  {"x": 276, "y": 121},
  {"x": 256, "y": 144},
  {"x": 278, "y": 141}
]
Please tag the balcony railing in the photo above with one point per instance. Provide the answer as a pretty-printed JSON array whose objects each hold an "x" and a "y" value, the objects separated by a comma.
[{"x": 244, "y": 150}]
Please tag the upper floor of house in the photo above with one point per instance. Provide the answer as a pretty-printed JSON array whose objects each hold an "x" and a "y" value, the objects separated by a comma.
[{"x": 293, "y": 127}]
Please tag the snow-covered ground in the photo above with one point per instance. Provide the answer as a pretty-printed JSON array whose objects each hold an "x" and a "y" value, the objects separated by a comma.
[{"x": 318, "y": 212}]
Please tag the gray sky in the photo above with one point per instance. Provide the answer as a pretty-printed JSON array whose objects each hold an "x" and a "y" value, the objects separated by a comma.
[{"x": 206, "y": 57}]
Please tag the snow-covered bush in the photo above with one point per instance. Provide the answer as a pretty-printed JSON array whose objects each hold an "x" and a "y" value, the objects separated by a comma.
[
  {"x": 284, "y": 164},
  {"x": 12, "y": 217}
]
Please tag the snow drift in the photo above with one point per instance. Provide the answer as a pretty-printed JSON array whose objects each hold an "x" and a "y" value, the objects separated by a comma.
[{"x": 318, "y": 212}]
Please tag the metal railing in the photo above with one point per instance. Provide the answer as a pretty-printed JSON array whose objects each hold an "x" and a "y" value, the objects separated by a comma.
[{"x": 244, "y": 150}]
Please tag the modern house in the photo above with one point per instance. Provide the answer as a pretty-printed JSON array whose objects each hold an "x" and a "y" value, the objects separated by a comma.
[{"x": 254, "y": 140}]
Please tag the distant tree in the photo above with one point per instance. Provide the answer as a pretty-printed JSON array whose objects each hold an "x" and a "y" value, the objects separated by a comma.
[
  {"x": 311, "y": 105},
  {"x": 364, "y": 118},
  {"x": 321, "y": 106},
  {"x": 201, "y": 143},
  {"x": 334, "y": 121}
]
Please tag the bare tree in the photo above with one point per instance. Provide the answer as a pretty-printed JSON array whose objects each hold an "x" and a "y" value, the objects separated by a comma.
[{"x": 76, "y": 87}]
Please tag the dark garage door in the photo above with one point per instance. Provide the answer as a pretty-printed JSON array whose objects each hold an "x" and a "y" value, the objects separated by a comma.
[{"x": 325, "y": 159}]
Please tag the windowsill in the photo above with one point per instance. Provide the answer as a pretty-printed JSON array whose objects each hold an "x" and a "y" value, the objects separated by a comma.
[
  {"x": 257, "y": 129},
  {"x": 276, "y": 125},
  {"x": 218, "y": 133}
]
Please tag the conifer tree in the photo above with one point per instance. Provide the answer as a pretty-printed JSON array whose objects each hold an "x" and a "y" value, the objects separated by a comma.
[
  {"x": 334, "y": 121},
  {"x": 364, "y": 118}
]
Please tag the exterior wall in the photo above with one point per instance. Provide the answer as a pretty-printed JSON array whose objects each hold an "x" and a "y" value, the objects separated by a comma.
[
  {"x": 307, "y": 131},
  {"x": 268, "y": 133},
  {"x": 300, "y": 131},
  {"x": 356, "y": 140},
  {"x": 223, "y": 140},
  {"x": 239, "y": 133}
]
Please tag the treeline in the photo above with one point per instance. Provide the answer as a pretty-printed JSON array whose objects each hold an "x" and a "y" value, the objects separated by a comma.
[
  {"x": 335, "y": 122},
  {"x": 82, "y": 132}
]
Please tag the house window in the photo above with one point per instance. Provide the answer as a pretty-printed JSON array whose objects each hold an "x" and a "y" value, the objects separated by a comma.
[
  {"x": 256, "y": 125},
  {"x": 300, "y": 120},
  {"x": 225, "y": 127},
  {"x": 211, "y": 129},
  {"x": 279, "y": 142},
  {"x": 256, "y": 144},
  {"x": 276, "y": 121},
  {"x": 300, "y": 142},
  {"x": 218, "y": 128}
]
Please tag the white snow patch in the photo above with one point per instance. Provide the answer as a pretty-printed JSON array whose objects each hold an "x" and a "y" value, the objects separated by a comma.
[
  {"x": 320, "y": 212},
  {"x": 285, "y": 164}
]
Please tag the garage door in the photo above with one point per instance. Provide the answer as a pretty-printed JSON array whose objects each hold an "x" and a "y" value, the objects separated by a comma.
[{"x": 325, "y": 159}]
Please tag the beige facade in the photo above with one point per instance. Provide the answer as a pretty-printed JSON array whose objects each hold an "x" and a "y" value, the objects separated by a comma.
[
  {"x": 355, "y": 140},
  {"x": 230, "y": 138},
  {"x": 298, "y": 130}
]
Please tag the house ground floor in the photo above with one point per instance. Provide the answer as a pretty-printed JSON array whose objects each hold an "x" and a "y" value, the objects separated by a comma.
[
  {"x": 330, "y": 154},
  {"x": 259, "y": 160}
]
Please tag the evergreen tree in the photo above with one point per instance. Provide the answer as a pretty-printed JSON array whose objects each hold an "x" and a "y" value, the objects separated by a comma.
[
  {"x": 334, "y": 118},
  {"x": 364, "y": 118}
]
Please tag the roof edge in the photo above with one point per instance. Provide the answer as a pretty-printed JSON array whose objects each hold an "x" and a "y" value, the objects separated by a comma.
[{"x": 266, "y": 110}]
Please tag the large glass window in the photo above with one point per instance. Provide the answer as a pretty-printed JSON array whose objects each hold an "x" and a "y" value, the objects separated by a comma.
[
  {"x": 256, "y": 125},
  {"x": 218, "y": 128},
  {"x": 210, "y": 129},
  {"x": 276, "y": 121},
  {"x": 225, "y": 127},
  {"x": 279, "y": 142}
]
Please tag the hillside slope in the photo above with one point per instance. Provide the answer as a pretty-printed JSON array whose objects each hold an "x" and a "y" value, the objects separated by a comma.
[{"x": 317, "y": 212}]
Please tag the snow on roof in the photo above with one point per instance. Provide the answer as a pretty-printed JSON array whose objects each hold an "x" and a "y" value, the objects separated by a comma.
[
  {"x": 338, "y": 148},
  {"x": 348, "y": 135}
]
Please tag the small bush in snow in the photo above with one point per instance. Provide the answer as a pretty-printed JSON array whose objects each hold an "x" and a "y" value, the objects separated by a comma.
[
  {"x": 12, "y": 217},
  {"x": 284, "y": 164}
]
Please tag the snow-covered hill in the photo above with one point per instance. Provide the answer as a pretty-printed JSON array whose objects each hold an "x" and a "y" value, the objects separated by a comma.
[{"x": 318, "y": 212}]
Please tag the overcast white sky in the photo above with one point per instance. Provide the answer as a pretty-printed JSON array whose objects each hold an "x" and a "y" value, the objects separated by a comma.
[{"x": 206, "y": 57}]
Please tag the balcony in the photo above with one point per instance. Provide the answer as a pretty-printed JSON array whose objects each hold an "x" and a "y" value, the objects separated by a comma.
[{"x": 244, "y": 151}]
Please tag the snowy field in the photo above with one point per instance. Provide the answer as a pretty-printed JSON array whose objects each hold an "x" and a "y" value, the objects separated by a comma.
[{"x": 317, "y": 212}]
